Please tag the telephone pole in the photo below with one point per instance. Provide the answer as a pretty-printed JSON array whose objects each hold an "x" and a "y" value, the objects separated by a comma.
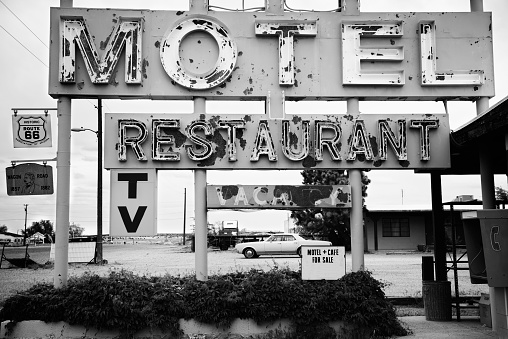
[
  {"x": 24, "y": 235},
  {"x": 184, "y": 212}
]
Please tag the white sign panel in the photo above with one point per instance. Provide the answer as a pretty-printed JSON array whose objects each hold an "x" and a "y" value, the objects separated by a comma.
[
  {"x": 323, "y": 262},
  {"x": 133, "y": 210},
  {"x": 31, "y": 130}
]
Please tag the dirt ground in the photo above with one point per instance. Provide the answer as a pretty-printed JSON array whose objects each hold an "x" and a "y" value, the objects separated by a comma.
[{"x": 400, "y": 271}]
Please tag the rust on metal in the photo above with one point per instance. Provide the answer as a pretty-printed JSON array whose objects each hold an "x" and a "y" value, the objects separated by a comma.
[
  {"x": 387, "y": 136},
  {"x": 163, "y": 143},
  {"x": 429, "y": 70},
  {"x": 278, "y": 196},
  {"x": 286, "y": 31},
  {"x": 297, "y": 141},
  {"x": 359, "y": 143},
  {"x": 126, "y": 138},
  {"x": 170, "y": 54},
  {"x": 127, "y": 34},
  {"x": 353, "y": 53},
  {"x": 424, "y": 126}
]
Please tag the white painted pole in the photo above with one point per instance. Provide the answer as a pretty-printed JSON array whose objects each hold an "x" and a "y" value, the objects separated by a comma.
[
  {"x": 488, "y": 193},
  {"x": 200, "y": 213},
  {"x": 476, "y": 5},
  {"x": 63, "y": 166},
  {"x": 487, "y": 179},
  {"x": 356, "y": 217}
]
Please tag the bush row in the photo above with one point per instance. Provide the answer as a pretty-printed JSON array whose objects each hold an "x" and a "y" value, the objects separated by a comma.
[{"x": 129, "y": 302}]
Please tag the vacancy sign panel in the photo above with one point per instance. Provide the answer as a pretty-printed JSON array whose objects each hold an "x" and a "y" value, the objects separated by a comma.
[
  {"x": 133, "y": 203},
  {"x": 278, "y": 196},
  {"x": 323, "y": 262}
]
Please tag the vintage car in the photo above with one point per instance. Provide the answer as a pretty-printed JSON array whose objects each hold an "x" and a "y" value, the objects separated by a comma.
[{"x": 284, "y": 243}]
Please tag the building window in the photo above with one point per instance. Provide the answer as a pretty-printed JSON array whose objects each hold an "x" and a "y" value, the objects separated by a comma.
[{"x": 396, "y": 227}]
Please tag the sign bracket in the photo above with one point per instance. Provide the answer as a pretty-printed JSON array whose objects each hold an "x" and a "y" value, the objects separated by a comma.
[
  {"x": 46, "y": 110},
  {"x": 44, "y": 161}
]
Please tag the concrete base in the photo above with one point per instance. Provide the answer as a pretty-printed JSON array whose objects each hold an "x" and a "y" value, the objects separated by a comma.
[{"x": 191, "y": 329}]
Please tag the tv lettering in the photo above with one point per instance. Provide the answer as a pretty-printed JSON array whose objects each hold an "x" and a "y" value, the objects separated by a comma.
[{"x": 132, "y": 224}]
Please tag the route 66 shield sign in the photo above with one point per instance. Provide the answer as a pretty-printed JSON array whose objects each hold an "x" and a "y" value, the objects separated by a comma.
[{"x": 31, "y": 131}]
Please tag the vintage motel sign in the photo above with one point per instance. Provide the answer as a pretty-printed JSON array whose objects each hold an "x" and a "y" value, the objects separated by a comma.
[
  {"x": 133, "y": 209},
  {"x": 31, "y": 130},
  {"x": 288, "y": 197},
  {"x": 246, "y": 56},
  {"x": 29, "y": 179},
  {"x": 323, "y": 262}
]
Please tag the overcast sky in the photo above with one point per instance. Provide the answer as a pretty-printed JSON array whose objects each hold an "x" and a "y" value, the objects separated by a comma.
[{"x": 25, "y": 58}]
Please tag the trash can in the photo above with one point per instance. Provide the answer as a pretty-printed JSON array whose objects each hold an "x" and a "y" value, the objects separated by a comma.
[{"x": 437, "y": 301}]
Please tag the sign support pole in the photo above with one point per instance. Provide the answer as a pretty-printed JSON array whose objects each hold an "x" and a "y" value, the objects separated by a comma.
[
  {"x": 356, "y": 218},
  {"x": 488, "y": 198},
  {"x": 63, "y": 166},
  {"x": 201, "y": 225}
]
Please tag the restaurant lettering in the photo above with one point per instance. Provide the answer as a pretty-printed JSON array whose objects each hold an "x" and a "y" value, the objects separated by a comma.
[{"x": 252, "y": 141}]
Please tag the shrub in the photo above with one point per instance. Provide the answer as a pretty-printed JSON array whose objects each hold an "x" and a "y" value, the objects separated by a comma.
[{"x": 129, "y": 302}]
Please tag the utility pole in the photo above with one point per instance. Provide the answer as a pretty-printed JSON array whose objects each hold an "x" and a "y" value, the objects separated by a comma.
[
  {"x": 184, "y": 212},
  {"x": 24, "y": 235},
  {"x": 98, "y": 244}
]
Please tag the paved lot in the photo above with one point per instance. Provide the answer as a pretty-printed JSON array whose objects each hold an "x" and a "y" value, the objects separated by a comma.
[{"x": 401, "y": 272}]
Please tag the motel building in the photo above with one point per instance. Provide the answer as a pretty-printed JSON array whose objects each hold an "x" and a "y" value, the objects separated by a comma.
[{"x": 276, "y": 56}]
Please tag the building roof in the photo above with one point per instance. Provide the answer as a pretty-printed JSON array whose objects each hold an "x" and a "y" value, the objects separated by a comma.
[
  {"x": 488, "y": 128},
  {"x": 12, "y": 234}
]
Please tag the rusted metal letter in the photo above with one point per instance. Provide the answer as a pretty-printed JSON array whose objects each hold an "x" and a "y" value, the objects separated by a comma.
[
  {"x": 359, "y": 142},
  {"x": 170, "y": 54},
  {"x": 290, "y": 141},
  {"x": 231, "y": 126},
  {"x": 430, "y": 75},
  {"x": 353, "y": 53},
  {"x": 286, "y": 30},
  {"x": 333, "y": 144},
  {"x": 159, "y": 139},
  {"x": 263, "y": 143},
  {"x": 135, "y": 141},
  {"x": 198, "y": 140},
  {"x": 127, "y": 33},
  {"x": 424, "y": 126},
  {"x": 399, "y": 145}
]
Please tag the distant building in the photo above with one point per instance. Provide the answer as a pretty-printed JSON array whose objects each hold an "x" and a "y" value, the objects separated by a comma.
[
  {"x": 11, "y": 238},
  {"x": 402, "y": 227}
]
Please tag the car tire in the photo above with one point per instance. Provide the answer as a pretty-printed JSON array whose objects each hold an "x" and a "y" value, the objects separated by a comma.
[
  {"x": 250, "y": 253},
  {"x": 299, "y": 252}
]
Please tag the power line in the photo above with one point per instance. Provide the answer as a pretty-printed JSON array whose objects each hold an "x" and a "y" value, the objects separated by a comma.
[
  {"x": 19, "y": 42},
  {"x": 24, "y": 24}
]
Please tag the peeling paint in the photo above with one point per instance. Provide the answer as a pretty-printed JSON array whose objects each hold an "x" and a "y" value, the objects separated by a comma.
[
  {"x": 215, "y": 141},
  {"x": 286, "y": 31},
  {"x": 353, "y": 53},
  {"x": 430, "y": 75},
  {"x": 278, "y": 196},
  {"x": 170, "y": 54},
  {"x": 125, "y": 35}
]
